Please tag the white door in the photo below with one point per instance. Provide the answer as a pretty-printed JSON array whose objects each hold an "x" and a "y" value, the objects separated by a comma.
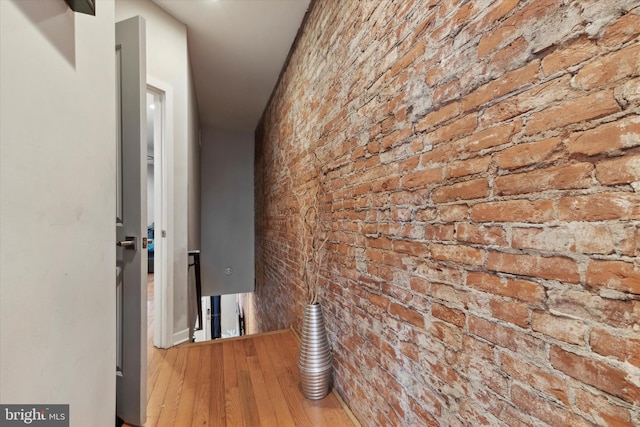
[{"x": 131, "y": 218}]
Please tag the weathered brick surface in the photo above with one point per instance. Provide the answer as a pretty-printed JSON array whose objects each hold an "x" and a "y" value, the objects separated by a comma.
[{"x": 479, "y": 167}]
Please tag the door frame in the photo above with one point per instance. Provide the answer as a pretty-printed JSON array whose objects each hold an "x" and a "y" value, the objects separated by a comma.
[{"x": 163, "y": 216}]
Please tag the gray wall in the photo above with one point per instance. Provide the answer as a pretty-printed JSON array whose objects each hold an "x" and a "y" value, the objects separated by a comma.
[
  {"x": 193, "y": 156},
  {"x": 227, "y": 238}
]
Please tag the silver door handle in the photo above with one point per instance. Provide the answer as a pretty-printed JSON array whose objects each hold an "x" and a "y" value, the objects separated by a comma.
[{"x": 130, "y": 243}]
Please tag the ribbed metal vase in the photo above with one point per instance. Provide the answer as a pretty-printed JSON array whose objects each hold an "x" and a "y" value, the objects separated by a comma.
[{"x": 315, "y": 360}]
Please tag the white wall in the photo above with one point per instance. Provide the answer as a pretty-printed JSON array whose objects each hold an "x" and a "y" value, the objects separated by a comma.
[
  {"x": 227, "y": 211},
  {"x": 168, "y": 61},
  {"x": 57, "y": 208}
]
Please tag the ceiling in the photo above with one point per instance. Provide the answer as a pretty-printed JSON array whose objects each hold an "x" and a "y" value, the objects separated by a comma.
[{"x": 237, "y": 49}]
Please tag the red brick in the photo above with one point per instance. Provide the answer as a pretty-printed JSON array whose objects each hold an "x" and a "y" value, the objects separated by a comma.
[
  {"x": 512, "y": 339},
  {"x": 607, "y": 138},
  {"x": 543, "y": 151},
  {"x": 406, "y": 314},
  {"x": 400, "y": 214},
  {"x": 538, "y": 238},
  {"x": 459, "y": 18},
  {"x": 449, "y": 294},
  {"x": 492, "y": 379},
  {"x": 535, "y": 11},
  {"x": 513, "y": 312},
  {"x": 554, "y": 268},
  {"x": 495, "y": 39},
  {"x": 507, "y": 413},
  {"x": 536, "y": 211},
  {"x": 331, "y": 124},
  {"x": 539, "y": 378},
  {"x": 449, "y": 315},
  {"x": 510, "y": 56},
  {"x": 618, "y": 275},
  {"x": 522, "y": 290},
  {"x": 497, "y": 10},
  {"x": 409, "y": 284},
  {"x": 473, "y": 415},
  {"x": 606, "y": 70},
  {"x": 447, "y": 92},
  {"x": 554, "y": 178},
  {"x": 380, "y": 243},
  {"x": 435, "y": 75},
  {"x": 481, "y": 234},
  {"x": 439, "y": 232},
  {"x": 585, "y": 305},
  {"x": 378, "y": 300},
  {"x": 441, "y": 115},
  {"x": 407, "y": 59},
  {"x": 401, "y": 294},
  {"x": 619, "y": 171},
  {"x": 396, "y": 137},
  {"x": 577, "y": 110},
  {"x": 576, "y": 52},
  {"x": 600, "y": 207},
  {"x": 467, "y": 167},
  {"x": 628, "y": 93},
  {"x": 549, "y": 93},
  {"x": 410, "y": 350},
  {"x": 626, "y": 28},
  {"x": 422, "y": 179},
  {"x": 459, "y": 148},
  {"x": 630, "y": 243},
  {"x": 560, "y": 328},
  {"x": 449, "y": 335},
  {"x": 360, "y": 190},
  {"x": 433, "y": 156},
  {"x": 595, "y": 373},
  {"x": 425, "y": 21},
  {"x": 601, "y": 410},
  {"x": 425, "y": 417},
  {"x": 406, "y": 165},
  {"x": 453, "y": 213},
  {"x": 437, "y": 272},
  {"x": 456, "y": 129},
  {"x": 357, "y": 153},
  {"x": 546, "y": 410},
  {"x": 458, "y": 254},
  {"x": 417, "y": 249},
  {"x": 593, "y": 238},
  {"x": 576, "y": 237},
  {"x": 476, "y": 352},
  {"x": 473, "y": 189},
  {"x": 622, "y": 348},
  {"x": 420, "y": 285},
  {"x": 489, "y": 138}
]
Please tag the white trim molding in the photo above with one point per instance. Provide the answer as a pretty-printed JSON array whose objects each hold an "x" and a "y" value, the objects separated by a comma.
[{"x": 181, "y": 336}]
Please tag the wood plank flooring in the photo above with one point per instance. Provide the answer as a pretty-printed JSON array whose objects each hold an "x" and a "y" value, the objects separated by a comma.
[{"x": 247, "y": 381}]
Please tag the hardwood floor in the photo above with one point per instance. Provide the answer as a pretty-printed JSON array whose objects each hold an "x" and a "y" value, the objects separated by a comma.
[{"x": 247, "y": 381}]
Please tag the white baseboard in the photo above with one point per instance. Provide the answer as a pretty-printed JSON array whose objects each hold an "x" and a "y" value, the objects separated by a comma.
[{"x": 181, "y": 336}]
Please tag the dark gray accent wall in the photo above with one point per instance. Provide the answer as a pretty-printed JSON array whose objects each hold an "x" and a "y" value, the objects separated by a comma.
[{"x": 227, "y": 212}]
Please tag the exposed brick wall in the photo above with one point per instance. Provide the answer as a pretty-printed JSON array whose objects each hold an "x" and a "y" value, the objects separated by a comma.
[{"x": 480, "y": 163}]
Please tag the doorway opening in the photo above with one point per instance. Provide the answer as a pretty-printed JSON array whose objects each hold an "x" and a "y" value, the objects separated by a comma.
[
  {"x": 222, "y": 318},
  {"x": 158, "y": 214}
]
